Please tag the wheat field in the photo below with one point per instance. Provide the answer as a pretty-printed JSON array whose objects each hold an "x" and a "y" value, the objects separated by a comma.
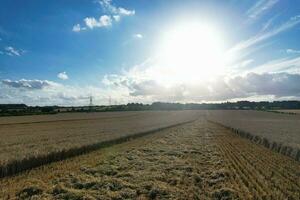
[
  {"x": 197, "y": 160},
  {"x": 31, "y": 141}
]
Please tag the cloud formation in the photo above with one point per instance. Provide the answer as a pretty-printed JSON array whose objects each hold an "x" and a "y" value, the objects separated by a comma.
[
  {"x": 108, "y": 7},
  {"x": 78, "y": 28},
  {"x": 129, "y": 87},
  {"x": 264, "y": 35},
  {"x": 138, "y": 36},
  {"x": 45, "y": 92},
  {"x": 11, "y": 51},
  {"x": 63, "y": 76},
  {"x": 291, "y": 65},
  {"x": 278, "y": 85},
  {"x": 113, "y": 14},
  {"x": 103, "y": 21},
  {"x": 146, "y": 82},
  {"x": 29, "y": 84},
  {"x": 292, "y": 51},
  {"x": 260, "y": 8}
]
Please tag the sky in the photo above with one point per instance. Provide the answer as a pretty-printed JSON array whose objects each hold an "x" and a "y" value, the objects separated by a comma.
[{"x": 62, "y": 52}]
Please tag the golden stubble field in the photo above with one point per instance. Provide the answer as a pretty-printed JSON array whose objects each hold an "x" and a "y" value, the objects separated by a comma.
[
  {"x": 31, "y": 141},
  {"x": 197, "y": 160},
  {"x": 289, "y": 111},
  {"x": 279, "y": 132}
]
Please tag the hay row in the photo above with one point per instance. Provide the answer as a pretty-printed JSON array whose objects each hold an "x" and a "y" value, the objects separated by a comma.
[
  {"x": 18, "y": 166},
  {"x": 273, "y": 145}
]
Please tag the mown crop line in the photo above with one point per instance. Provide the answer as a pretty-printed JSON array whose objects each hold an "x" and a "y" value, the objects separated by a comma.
[
  {"x": 16, "y": 166},
  {"x": 259, "y": 164},
  {"x": 275, "y": 146}
]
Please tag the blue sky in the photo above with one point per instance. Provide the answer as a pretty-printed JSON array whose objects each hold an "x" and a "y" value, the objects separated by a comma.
[{"x": 61, "y": 52}]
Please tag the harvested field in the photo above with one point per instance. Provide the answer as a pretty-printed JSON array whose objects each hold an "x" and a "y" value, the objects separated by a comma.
[
  {"x": 31, "y": 141},
  {"x": 275, "y": 131},
  {"x": 290, "y": 111},
  {"x": 198, "y": 160}
]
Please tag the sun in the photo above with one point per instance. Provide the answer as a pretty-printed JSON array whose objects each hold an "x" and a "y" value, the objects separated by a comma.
[{"x": 191, "y": 52}]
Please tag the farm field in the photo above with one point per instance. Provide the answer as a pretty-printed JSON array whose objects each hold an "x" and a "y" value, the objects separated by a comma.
[
  {"x": 34, "y": 140},
  {"x": 197, "y": 160},
  {"x": 290, "y": 111},
  {"x": 279, "y": 132}
]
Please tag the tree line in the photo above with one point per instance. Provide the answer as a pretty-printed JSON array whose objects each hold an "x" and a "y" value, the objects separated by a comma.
[{"x": 22, "y": 109}]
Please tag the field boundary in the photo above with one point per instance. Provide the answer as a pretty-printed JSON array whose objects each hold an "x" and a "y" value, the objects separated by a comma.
[
  {"x": 17, "y": 166},
  {"x": 273, "y": 145}
]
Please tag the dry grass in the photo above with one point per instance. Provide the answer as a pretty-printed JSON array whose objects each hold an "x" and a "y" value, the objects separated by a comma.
[
  {"x": 31, "y": 141},
  {"x": 275, "y": 131},
  {"x": 198, "y": 160}
]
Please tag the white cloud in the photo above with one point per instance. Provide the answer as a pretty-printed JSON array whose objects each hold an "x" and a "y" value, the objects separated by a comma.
[
  {"x": 103, "y": 21},
  {"x": 135, "y": 86},
  {"x": 278, "y": 85},
  {"x": 138, "y": 36},
  {"x": 11, "y": 51},
  {"x": 29, "y": 84},
  {"x": 117, "y": 18},
  {"x": 146, "y": 83},
  {"x": 63, "y": 76},
  {"x": 292, "y": 51},
  {"x": 260, "y": 7},
  {"x": 297, "y": 17},
  {"x": 91, "y": 22},
  {"x": 291, "y": 65},
  {"x": 247, "y": 62},
  {"x": 262, "y": 36},
  {"x": 243, "y": 64},
  {"x": 269, "y": 23},
  {"x": 113, "y": 13},
  {"x": 111, "y": 9},
  {"x": 125, "y": 12},
  {"x": 78, "y": 28},
  {"x": 45, "y": 92}
]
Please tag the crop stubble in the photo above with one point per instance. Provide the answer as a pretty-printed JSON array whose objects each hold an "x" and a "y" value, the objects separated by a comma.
[
  {"x": 31, "y": 141},
  {"x": 279, "y": 132},
  {"x": 199, "y": 160}
]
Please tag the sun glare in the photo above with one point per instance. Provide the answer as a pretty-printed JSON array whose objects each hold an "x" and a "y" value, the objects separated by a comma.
[{"x": 191, "y": 52}]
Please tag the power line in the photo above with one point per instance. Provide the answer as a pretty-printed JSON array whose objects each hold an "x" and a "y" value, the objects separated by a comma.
[{"x": 91, "y": 101}]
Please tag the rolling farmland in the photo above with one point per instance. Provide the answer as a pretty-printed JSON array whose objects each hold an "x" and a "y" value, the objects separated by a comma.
[
  {"x": 150, "y": 155},
  {"x": 197, "y": 160}
]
